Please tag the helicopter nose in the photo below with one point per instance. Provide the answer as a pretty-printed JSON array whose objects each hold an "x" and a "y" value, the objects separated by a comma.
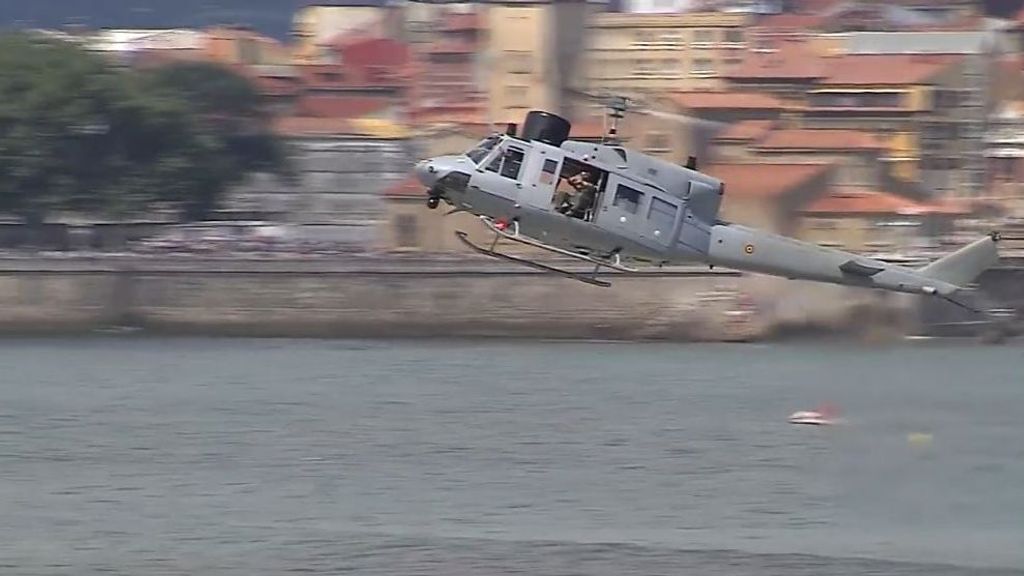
[{"x": 426, "y": 173}]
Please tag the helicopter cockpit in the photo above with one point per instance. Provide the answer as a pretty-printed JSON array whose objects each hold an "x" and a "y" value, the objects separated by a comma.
[{"x": 479, "y": 152}]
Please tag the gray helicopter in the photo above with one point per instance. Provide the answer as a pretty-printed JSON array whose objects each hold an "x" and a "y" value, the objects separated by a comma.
[{"x": 614, "y": 208}]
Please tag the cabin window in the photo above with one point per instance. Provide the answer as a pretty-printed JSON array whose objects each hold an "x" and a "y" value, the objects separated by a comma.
[
  {"x": 662, "y": 214},
  {"x": 627, "y": 198},
  {"x": 547, "y": 173},
  {"x": 511, "y": 162}
]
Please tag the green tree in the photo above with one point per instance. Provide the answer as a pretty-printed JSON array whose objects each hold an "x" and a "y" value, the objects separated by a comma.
[
  {"x": 55, "y": 107},
  {"x": 79, "y": 135},
  {"x": 230, "y": 131}
]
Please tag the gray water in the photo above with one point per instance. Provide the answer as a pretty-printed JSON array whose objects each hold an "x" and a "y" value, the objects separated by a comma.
[{"x": 259, "y": 457}]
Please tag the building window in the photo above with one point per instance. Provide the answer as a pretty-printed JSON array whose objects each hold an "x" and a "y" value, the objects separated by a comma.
[
  {"x": 702, "y": 66},
  {"x": 670, "y": 39},
  {"x": 656, "y": 142},
  {"x": 734, "y": 36},
  {"x": 856, "y": 100},
  {"x": 406, "y": 231},
  {"x": 516, "y": 96},
  {"x": 702, "y": 36},
  {"x": 519, "y": 62},
  {"x": 645, "y": 67}
]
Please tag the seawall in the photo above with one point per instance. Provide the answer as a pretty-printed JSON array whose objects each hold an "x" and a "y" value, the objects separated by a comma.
[{"x": 416, "y": 297}]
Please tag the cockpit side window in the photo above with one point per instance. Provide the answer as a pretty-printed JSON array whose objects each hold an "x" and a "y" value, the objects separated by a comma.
[
  {"x": 479, "y": 153},
  {"x": 508, "y": 163}
]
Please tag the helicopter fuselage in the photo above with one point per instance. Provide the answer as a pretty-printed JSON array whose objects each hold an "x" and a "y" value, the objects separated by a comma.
[
  {"x": 607, "y": 204},
  {"x": 527, "y": 182}
]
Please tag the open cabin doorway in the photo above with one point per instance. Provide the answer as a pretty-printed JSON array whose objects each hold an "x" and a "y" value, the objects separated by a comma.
[{"x": 579, "y": 190}]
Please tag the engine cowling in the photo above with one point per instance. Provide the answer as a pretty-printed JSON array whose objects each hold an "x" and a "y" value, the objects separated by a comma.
[{"x": 546, "y": 127}]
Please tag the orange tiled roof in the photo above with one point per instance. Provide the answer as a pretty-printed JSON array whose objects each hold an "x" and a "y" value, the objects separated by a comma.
[
  {"x": 860, "y": 202},
  {"x": 897, "y": 69},
  {"x": 948, "y": 208},
  {"x": 726, "y": 100},
  {"x": 784, "y": 60},
  {"x": 460, "y": 22},
  {"x": 369, "y": 51},
  {"x": 452, "y": 113},
  {"x": 802, "y": 139},
  {"x": 587, "y": 129},
  {"x": 331, "y": 106},
  {"x": 747, "y": 130},
  {"x": 337, "y": 77},
  {"x": 873, "y": 202},
  {"x": 764, "y": 180}
]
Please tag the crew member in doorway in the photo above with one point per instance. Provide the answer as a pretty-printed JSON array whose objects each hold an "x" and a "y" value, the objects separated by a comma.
[{"x": 585, "y": 184}]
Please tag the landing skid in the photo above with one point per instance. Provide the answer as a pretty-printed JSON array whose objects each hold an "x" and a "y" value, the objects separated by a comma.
[
  {"x": 500, "y": 233},
  {"x": 536, "y": 265}
]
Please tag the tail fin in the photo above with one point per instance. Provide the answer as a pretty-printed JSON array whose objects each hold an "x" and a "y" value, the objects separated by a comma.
[{"x": 963, "y": 266}]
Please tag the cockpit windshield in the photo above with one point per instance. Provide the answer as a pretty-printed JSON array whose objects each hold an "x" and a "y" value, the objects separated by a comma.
[{"x": 478, "y": 153}]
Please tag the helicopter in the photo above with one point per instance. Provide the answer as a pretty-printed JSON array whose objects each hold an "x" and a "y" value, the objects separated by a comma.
[{"x": 613, "y": 208}]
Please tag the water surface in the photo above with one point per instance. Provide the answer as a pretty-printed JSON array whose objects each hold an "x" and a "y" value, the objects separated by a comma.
[{"x": 259, "y": 457}]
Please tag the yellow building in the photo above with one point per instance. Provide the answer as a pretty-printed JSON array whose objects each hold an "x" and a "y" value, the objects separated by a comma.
[
  {"x": 920, "y": 105},
  {"x": 866, "y": 221},
  {"x": 230, "y": 45},
  {"x": 315, "y": 26},
  {"x": 662, "y": 52},
  {"x": 531, "y": 54},
  {"x": 517, "y": 53}
]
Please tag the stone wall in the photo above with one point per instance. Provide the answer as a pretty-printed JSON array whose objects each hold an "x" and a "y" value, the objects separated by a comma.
[{"x": 371, "y": 297}]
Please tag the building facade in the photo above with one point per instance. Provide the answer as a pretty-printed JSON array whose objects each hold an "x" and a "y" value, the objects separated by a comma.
[
  {"x": 532, "y": 56},
  {"x": 342, "y": 168},
  {"x": 449, "y": 68},
  {"x": 650, "y": 53}
]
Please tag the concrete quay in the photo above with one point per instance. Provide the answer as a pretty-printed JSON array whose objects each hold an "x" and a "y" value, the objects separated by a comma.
[{"x": 410, "y": 296}]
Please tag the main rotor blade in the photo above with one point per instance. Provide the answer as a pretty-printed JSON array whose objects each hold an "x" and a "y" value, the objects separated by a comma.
[{"x": 680, "y": 118}]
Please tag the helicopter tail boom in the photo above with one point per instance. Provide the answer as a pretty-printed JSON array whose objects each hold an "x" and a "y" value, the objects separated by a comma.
[{"x": 757, "y": 251}]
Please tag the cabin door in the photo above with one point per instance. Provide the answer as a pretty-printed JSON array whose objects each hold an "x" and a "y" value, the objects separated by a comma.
[
  {"x": 640, "y": 213},
  {"x": 540, "y": 180}
]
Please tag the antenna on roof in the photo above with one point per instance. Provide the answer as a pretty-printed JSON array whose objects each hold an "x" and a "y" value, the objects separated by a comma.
[{"x": 616, "y": 112}]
